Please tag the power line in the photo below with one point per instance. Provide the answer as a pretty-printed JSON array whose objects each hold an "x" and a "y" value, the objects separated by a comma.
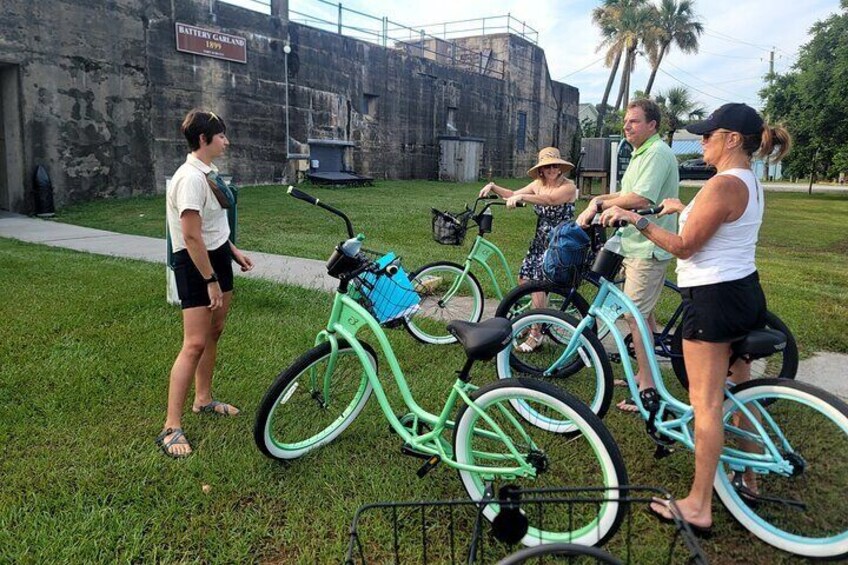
[
  {"x": 592, "y": 64},
  {"x": 719, "y": 35},
  {"x": 730, "y": 56},
  {"x": 696, "y": 89},
  {"x": 710, "y": 84}
]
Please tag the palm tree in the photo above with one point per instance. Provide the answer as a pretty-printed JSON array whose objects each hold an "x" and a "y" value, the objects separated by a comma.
[
  {"x": 678, "y": 109},
  {"x": 612, "y": 17},
  {"x": 635, "y": 29},
  {"x": 674, "y": 23}
]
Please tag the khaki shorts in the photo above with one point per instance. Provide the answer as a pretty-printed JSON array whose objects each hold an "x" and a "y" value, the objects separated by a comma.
[{"x": 643, "y": 282}]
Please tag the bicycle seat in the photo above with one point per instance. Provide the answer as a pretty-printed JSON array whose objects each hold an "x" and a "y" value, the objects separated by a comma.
[
  {"x": 758, "y": 344},
  {"x": 484, "y": 340}
]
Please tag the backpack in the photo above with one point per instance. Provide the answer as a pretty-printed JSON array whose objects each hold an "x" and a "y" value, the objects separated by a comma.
[{"x": 566, "y": 254}]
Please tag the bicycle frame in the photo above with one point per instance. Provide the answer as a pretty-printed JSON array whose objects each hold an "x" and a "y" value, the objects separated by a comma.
[
  {"x": 480, "y": 253},
  {"x": 674, "y": 417},
  {"x": 346, "y": 319},
  {"x": 659, "y": 339}
]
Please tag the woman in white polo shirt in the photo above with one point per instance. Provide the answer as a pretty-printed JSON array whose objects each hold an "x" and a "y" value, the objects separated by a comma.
[
  {"x": 718, "y": 280},
  {"x": 202, "y": 262}
]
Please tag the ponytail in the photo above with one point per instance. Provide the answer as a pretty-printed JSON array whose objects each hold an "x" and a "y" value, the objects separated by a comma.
[{"x": 764, "y": 143}]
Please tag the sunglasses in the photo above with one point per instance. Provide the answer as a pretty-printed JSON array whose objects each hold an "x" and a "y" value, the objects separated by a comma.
[
  {"x": 543, "y": 167},
  {"x": 708, "y": 135}
]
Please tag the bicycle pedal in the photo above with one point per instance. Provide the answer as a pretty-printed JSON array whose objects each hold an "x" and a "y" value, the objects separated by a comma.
[
  {"x": 428, "y": 466},
  {"x": 662, "y": 451}
]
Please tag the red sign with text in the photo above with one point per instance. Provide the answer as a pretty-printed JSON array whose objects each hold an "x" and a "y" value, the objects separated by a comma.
[{"x": 211, "y": 43}]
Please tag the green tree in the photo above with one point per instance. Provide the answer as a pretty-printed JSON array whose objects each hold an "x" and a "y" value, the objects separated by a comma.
[
  {"x": 810, "y": 100},
  {"x": 675, "y": 23},
  {"x": 619, "y": 21},
  {"x": 678, "y": 109}
]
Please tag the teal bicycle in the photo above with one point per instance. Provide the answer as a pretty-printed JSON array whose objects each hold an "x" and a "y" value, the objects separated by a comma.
[
  {"x": 793, "y": 437},
  {"x": 519, "y": 431}
]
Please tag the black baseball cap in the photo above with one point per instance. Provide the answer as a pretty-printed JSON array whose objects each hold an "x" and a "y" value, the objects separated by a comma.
[{"x": 733, "y": 117}]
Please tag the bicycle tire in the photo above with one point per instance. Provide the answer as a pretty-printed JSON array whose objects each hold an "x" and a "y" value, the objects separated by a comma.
[
  {"x": 815, "y": 423},
  {"x": 429, "y": 323},
  {"x": 305, "y": 419},
  {"x": 590, "y": 458},
  {"x": 571, "y": 551},
  {"x": 517, "y": 300},
  {"x": 588, "y": 377},
  {"x": 760, "y": 368}
]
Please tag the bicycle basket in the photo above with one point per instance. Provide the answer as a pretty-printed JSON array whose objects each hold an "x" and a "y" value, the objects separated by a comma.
[
  {"x": 449, "y": 229},
  {"x": 456, "y": 531},
  {"x": 386, "y": 297}
]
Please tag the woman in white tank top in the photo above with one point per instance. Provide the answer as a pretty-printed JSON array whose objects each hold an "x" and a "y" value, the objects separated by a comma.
[{"x": 723, "y": 301}]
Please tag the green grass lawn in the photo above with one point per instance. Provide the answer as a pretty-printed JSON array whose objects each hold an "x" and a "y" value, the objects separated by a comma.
[{"x": 88, "y": 343}]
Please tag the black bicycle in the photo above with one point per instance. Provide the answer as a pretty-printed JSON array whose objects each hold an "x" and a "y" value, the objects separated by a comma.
[{"x": 668, "y": 342}]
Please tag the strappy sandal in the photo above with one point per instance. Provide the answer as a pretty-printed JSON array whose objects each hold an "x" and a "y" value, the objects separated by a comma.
[
  {"x": 532, "y": 343},
  {"x": 178, "y": 438},
  {"x": 211, "y": 408}
]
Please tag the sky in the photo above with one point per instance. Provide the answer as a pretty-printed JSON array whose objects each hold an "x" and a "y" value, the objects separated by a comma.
[{"x": 730, "y": 66}]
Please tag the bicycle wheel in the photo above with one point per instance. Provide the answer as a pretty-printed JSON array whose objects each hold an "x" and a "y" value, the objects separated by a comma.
[
  {"x": 294, "y": 418},
  {"x": 587, "y": 375},
  {"x": 432, "y": 282},
  {"x": 810, "y": 428},
  {"x": 782, "y": 365},
  {"x": 589, "y": 458},
  {"x": 554, "y": 552},
  {"x": 518, "y": 300}
]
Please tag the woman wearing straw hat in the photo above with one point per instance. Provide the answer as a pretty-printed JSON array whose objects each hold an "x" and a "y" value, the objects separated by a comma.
[{"x": 552, "y": 196}]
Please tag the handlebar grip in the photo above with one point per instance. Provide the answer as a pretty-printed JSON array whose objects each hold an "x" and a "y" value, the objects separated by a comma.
[
  {"x": 650, "y": 211},
  {"x": 620, "y": 223},
  {"x": 300, "y": 195}
]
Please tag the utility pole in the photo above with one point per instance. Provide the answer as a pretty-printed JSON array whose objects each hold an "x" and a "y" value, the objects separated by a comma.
[
  {"x": 771, "y": 66},
  {"x": 766, "y": 175}
]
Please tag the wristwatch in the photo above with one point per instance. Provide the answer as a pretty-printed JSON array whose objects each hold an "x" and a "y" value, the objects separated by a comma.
[
  {"x": 642, "y": 223},
  {"x": 212, "y": 278}
]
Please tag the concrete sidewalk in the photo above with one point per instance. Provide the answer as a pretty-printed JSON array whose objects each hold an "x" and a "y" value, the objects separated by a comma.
[
  {"x": 290, "y": 270},
  {"x": 826, "y": 370}
]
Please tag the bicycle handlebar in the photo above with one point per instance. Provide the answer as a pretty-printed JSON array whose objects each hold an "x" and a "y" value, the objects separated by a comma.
[
  {"x": 653, "y": 210},
  {"x": 643, "y": 212},
  {"x": 300, "y": 195}
]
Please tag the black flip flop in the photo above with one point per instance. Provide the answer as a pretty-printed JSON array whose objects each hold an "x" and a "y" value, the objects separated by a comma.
[{"x": 700, "y": 531}]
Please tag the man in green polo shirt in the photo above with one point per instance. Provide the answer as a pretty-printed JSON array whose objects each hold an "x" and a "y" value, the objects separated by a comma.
[{"x": 650, "y": 178}]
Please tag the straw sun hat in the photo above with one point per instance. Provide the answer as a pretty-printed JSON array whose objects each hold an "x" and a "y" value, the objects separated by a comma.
[{"x": 550, "y": 156}]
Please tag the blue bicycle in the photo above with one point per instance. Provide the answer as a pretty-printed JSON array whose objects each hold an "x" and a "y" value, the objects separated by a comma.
[{"x": 791, "y": 436}]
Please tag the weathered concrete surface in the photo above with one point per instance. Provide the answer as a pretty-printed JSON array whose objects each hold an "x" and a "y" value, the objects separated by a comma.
[
  {"x": 103, "y": 91},
  {"x": 83, "y": 95}
]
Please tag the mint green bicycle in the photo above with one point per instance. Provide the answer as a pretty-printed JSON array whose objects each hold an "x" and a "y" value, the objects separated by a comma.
[
  {"x": 450, "y": 291},
  {"x": 791, "y": 436},
  {"x": 517, "y": 431}
]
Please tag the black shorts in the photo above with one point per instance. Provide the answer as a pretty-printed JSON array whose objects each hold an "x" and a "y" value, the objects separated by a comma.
[
  {"x": 192, "y": 290},
  {"x": 723, "y": 312}
]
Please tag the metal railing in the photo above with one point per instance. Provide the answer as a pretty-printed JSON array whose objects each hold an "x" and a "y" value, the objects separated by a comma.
[{"x": 432, "y": 41}]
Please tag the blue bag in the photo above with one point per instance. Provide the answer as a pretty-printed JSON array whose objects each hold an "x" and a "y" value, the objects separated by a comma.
[
  {"x": 390, "y": 297},
  {"x": 565, "y": 256}
]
